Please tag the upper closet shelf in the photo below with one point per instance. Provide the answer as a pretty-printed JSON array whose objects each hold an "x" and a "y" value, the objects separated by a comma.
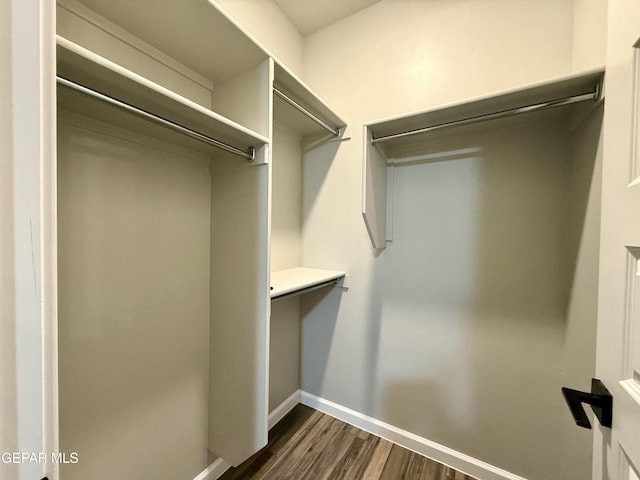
[
  {"x": 299, "y": 108},
  {"x": 391, "y": 133},
  {"x": 97, "y": 74},
  {"x": 295, "y": 281},
  {"x": 195, "y": 33},
  {"x": 407, "y": 135}
]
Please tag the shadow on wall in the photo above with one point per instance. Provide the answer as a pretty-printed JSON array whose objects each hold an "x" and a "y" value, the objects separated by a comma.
[
  {"x": 491, "y": 255},
  {"x": 317, "y": 163},
  {"x": 133, "y": 340},
  {"x": 373, "y": 315},
  {"x": 322, "y": 333}
]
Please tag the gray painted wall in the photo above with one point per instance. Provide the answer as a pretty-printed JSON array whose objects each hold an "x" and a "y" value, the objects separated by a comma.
[
  {"x": 134, "y": 216},
  {"x": 464, "y": 329}
]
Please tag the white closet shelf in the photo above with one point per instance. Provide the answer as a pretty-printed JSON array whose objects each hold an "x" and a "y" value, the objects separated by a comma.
[
  {"x": 404, "y": 135},
  {"x": 299, "y": 280},
  {"x": 90, "y": 70},
  {"x": 582, "y": 83},
  {"x": 196, "y": 33},
  {"x": 297, "y": 90}
]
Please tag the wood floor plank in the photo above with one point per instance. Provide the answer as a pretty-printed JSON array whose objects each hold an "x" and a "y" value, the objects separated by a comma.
[
  {"x": 328, "y": 451},
  {"x": 415, "y": 466},
  {"x": 433, "y": 470},
  {"x": 291, "y": 424},
  {"x": 378, "y": 460},
  {"x": 299, "y": 452},
  {"x": 453, "y": 474},
  {"x": 302, "y": 450},
  {"x": 397, "y": 464},
  {"x": 361, "y": 458},
  {"x": 309, "y": 445},
  {"x": 283, "y": 437},
  {"x": 345, "y": 462}
]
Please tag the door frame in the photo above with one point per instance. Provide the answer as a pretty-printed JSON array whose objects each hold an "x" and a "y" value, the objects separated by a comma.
[{"x": 28, "y": 215}]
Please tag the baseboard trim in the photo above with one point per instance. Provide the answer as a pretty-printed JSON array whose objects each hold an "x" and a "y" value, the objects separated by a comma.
[
  {"x": 445, "y": 455},
  {"x": 214, "y": 471},
  {"x": 285, "y": 407}
]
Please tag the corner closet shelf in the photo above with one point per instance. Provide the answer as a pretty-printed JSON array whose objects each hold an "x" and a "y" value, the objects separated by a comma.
[
  {"x": 295, "y": 281},
  {"x": 312, "y": 131},
  {"x": 81, "y": 66},
  {"x": 572, "y": 88},
  {"x": 405, "y": 135}
]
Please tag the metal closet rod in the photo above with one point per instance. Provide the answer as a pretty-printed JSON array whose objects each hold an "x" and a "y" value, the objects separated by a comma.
[
  {"x": 595, "y": 95},
  {"x": 312, "y": 288},
  {"x": 304, "y": 111},
  {"x": 249, "y": 155}
]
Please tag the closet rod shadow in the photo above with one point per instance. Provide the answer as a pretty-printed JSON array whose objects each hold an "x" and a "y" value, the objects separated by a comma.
[
  {"x": 249, "y": 155},
  {"x": 595, "y": 95},
  {"x": 305, "y": 112}
]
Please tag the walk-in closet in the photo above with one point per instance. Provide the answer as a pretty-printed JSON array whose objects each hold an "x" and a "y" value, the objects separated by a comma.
[{"x": 415, "y": 216}]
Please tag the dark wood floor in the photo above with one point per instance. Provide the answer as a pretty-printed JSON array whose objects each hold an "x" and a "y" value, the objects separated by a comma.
[{"x": 310, "y": 445}]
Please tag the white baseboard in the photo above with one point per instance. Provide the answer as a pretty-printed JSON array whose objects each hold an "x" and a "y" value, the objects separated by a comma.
[
  {"x": 214, "y": 471},
  {"x": 285, "y": 407},
  {"x": 447, "y": 456}
]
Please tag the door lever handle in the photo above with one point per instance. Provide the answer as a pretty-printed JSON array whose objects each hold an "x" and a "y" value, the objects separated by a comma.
[{"x": 600, "y": 400}]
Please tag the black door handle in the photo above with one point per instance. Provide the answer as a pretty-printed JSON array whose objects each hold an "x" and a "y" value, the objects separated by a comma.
[{"x": 600, "y": 400}]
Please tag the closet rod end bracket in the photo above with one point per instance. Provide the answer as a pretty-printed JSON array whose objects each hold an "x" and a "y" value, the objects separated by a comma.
[{"x": 597, "y": 91}]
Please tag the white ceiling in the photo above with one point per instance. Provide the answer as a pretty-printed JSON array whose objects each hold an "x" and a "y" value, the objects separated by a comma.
[{"x": 309, "y": 16}]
